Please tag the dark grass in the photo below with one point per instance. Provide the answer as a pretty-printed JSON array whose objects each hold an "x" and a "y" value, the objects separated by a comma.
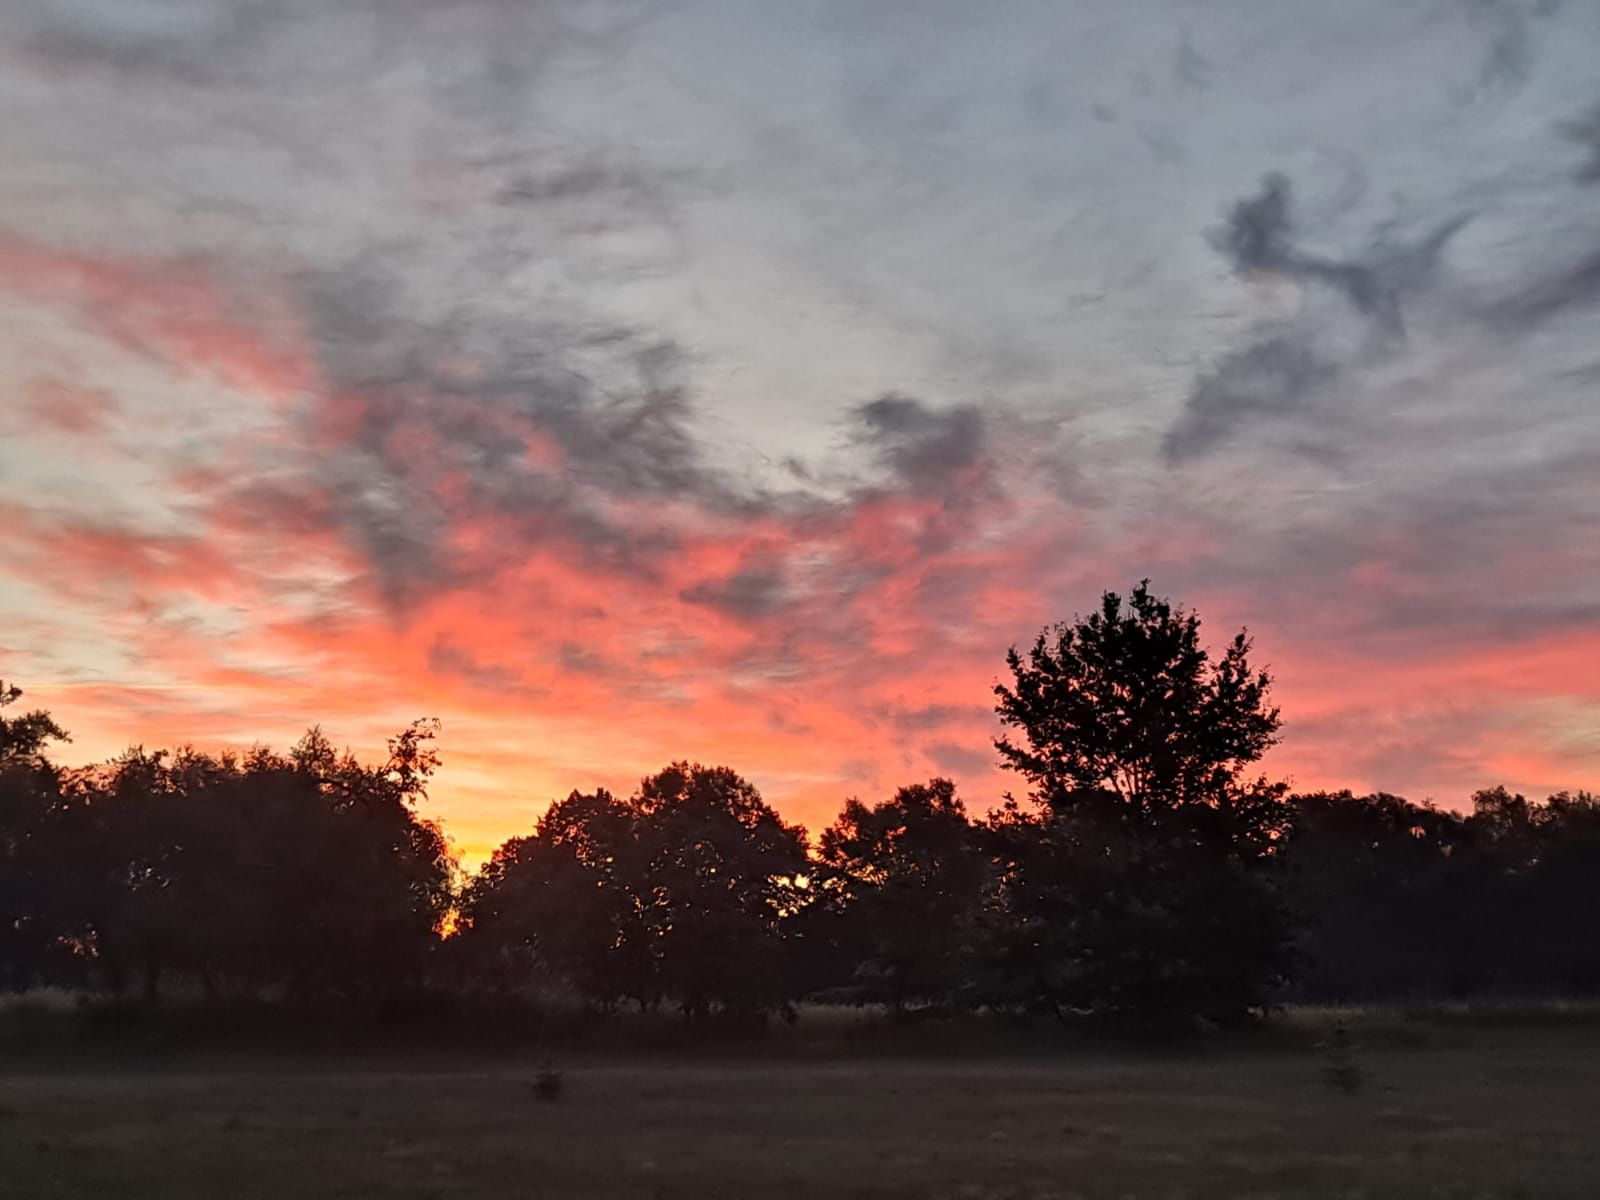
[
  {"x": 841, "y": 1104},
  {"x": 1491, "y": 1120},
  {"x": 55, "y": 1027}
]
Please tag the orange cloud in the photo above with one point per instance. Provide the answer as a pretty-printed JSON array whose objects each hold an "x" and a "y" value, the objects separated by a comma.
[{"x": 180, "y": 313}]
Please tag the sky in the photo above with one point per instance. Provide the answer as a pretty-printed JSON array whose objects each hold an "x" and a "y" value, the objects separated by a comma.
[{"x": 622, "y": 382}]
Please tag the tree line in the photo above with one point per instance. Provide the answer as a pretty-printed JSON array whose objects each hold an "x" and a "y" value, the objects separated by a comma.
[{"x": 1143, "y": 875}]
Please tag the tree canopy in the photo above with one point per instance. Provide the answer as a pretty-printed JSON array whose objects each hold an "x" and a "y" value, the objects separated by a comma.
[
  {"x": 1150, "y": 874},
  {"x": 1126, "y": 703},
  {"x": 1139, "y": 883}
]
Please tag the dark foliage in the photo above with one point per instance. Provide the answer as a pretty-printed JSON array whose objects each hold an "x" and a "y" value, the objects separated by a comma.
[
  {"x": 1402, "y": 900},
  {"x": 1138, "y": 883},
  {"x": 1146, "y": 877},
  {"x": 911, "y": 880},
  {"x": 681, "y": 891},
  {"x": 565, "y": 906},
  {"x": 303, "y": 875}
]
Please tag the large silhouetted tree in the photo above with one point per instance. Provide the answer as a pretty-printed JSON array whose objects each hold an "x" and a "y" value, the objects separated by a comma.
[
  {"x": 1127, "y": 713},
  {"x": 914, "y": 881},
  {"x": 567, "y": 905},
  {"x": 722, "y": 871},
  {"x": 383, "y": 873},
  {"x": 1137, "y": 883}
]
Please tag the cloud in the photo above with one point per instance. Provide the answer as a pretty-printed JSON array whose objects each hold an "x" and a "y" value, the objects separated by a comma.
[
  {"x": 181, "y": 43},
  {"x": 587, "y": 188},
  {"x": 1273, "y": 378},
  {"x": 1575, "y": 283},
  {"x": 82, "y": 411},
  {"x": 205, "y": 43},
  {"x": 1508, "y": 51},
  {"x": 1190, "y": 68},
  {"x": 1258, "y": 238},
  {"x": 925, "y": 717},
  {"x": 447, "y": 657},
  {"x": 929, "y": 450},
  {"x": 1577, "y": 287},
  {"x": 755, "y": 590},
  {"x": 1293, "y": 365},
  {"x": 549, "y": 425},
  {"x": 1585, "y": 131},
  {"x": 956, "y": 759}
]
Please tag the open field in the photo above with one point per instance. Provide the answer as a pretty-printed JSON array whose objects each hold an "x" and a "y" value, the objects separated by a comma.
[{"x": 1496, "y": 1113}]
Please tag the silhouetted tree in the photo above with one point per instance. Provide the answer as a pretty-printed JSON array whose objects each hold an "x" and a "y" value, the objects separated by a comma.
[
  {"x": 914, "y": 881},
  {"x": 1137, "y": 885},
  {"x": 1404, "y": 901},
  {"x": 682, "y": 891},
  {"x": 1383, "y": 896},
  {"x": 1561, "y": 936},
  {"x": 1144, "y": 877},
  {"x": 32, "y": 879},
  {"x": 24, "y": 737},
  {"x": 312, "y": 872},
  {"x": 383, "y": 874},
  {"x": 567, "y": 903},
  {"x": 1523, "y": 865},
  {"x": 722, "y": 872}
]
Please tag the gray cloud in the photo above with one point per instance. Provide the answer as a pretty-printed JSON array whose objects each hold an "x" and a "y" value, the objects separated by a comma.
[
  {"x": 1276, "y": 377},
  {"x": 957, "y": 759},
  {"x": 442, "y": 410},
  {"x": 212, "y": 42},
  {"x": 924, "y": 447},
  {"x": 450, "y": 413},
  {"x": 1585, "y": 131},
  {"x": 1565, "y": 287},
  {"x": 1575, "y": 288},
  {"x": 921, "y": 718},
  {"x": 185, "y": 44},
  {"x": 587, "y": 182},
  {"x": 1508, "y": 52},
  {"x": 1258, "y": 237},
  {"x": 1291, "y": 365},
  {"x": 447, "y": 658},
  {"x": 753, "y": 591},
  {"x": 1190, "y": 68}
]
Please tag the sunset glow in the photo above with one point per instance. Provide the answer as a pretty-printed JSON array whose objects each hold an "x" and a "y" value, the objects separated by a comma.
[{"x": 622, "y": 386}]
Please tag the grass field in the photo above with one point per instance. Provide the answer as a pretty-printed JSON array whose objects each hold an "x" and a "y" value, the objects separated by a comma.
[{"x": 1497, "y": 1112}]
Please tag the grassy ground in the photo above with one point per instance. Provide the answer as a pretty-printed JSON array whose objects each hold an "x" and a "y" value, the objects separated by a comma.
[{"x": 1496, "y": 1112}]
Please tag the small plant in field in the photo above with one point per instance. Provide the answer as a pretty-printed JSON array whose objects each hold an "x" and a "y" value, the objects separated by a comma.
[
  {"x": 547, "y": 1085},
  {"x": 1339, "y": 1067}
]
